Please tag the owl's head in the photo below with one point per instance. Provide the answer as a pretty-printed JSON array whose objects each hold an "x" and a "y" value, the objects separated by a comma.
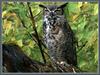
[{"x": 53, "y": 12}]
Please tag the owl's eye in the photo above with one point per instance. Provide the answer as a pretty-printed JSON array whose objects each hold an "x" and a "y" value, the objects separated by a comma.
[
  {"x": 46, "y": 11},
  {"x": 58, "y": 11}
]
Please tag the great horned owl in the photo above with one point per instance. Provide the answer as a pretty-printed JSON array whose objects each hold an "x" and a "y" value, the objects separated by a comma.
[{"x": 58, "y": 35}]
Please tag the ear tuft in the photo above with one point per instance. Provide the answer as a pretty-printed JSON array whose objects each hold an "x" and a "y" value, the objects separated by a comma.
[
  {"x": 62, "y": 6},
  {"x": 42, "y": 6}
]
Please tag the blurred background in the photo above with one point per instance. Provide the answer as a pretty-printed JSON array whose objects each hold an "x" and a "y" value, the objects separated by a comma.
[{"x": 82, "y": 17}]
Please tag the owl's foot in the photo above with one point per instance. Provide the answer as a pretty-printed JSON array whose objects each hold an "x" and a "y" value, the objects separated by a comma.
[
  {"x": 66, "y": 67},
  {"x": 64, "y": 63},
  {"x": 62, "y": 66}
]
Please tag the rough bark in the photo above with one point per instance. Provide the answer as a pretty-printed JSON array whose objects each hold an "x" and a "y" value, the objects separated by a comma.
[{"x": 14, "y": 60}]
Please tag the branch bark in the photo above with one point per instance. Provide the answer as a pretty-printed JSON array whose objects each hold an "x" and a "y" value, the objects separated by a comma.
[{"x": 15, "y": 60}]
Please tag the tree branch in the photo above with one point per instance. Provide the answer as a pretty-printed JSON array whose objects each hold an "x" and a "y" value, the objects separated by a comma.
[
  {"x": 37, "y": 37},
  {"x": 14, "y": 60}
]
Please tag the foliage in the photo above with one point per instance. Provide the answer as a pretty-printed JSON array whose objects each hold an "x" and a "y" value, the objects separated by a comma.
[{"x": 82, "y": 17}]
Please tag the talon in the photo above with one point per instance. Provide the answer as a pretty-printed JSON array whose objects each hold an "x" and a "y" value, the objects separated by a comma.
[
  {"x": 64, "y": 63},
  {"x": 74, "y": 70}
]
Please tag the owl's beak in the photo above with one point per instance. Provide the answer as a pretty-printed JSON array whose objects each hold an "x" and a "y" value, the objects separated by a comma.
[{"x": 51, "y": 14}]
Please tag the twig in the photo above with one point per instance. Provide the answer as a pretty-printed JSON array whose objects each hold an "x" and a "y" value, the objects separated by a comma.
[
  {"x": 37, "y": 37},
  {"x": 33, "y": 36}
]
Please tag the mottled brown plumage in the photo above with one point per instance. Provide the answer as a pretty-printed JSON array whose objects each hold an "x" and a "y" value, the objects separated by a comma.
[{"x": 58, "y": 35}]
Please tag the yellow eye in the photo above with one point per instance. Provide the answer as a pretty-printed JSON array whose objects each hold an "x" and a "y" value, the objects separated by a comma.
[
  {"x": 58, "y": 11},
  {"x": 46, "y": 11}
]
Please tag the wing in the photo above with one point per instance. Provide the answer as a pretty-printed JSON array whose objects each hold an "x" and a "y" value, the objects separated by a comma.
[{"x": 70, "y": 45}]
